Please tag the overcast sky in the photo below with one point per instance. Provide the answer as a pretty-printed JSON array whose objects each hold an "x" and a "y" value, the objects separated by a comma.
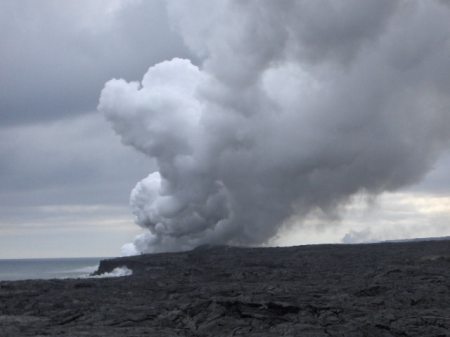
[{"x": 65, "y": 176}]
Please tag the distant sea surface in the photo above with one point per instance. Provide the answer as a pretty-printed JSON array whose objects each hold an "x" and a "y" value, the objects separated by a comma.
[{"x": 24, "y": 269}]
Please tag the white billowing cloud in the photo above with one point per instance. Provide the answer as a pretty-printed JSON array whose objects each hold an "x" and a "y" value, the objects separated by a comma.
[
  {"x": 296, "y": 107},
  {"x": 164, "y": 101},
  {"x": 162, "y": 120}
]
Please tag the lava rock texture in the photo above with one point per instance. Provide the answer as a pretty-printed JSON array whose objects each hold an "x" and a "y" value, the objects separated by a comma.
[{"x": 389, "y": 289}]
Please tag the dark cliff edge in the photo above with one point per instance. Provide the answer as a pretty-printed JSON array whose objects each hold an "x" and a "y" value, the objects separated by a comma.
[
  {"x": 384, "y": 289},
  {"x": 231, "y": 256},
  {"x": 148, "y": 263}
]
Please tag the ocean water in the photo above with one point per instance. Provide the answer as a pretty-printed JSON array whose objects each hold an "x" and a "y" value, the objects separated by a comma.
[{"x": 23, "y": 269}]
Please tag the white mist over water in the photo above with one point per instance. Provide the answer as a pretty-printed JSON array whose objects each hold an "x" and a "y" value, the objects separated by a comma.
[{"x": 296, "y": 106}]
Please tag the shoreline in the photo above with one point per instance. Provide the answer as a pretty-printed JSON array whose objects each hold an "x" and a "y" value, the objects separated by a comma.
[{"x": 380, "y": 289}]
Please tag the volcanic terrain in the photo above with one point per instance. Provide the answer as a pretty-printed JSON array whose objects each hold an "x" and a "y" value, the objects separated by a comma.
[{"x": 386, "y": 289}]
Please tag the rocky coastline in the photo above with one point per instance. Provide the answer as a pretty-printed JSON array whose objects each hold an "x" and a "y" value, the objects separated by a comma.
[{"x": 385, "y": 289}]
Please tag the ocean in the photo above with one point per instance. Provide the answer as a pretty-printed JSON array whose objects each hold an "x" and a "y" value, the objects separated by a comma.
[{"x": 23, "y": 269}]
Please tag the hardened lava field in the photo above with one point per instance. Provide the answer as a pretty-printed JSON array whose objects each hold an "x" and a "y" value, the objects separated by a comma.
[{"x": 386, "y": 289}]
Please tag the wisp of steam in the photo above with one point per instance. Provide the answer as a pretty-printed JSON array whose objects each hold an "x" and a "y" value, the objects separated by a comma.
[{"x": 289, "y": 107}]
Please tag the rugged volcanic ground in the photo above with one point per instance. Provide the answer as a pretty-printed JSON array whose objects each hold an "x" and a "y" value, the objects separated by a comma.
[{"x": 389, "y": 289}]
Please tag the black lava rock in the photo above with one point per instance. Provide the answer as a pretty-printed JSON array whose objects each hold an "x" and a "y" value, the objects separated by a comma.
[{"x": 388, "y": 289}]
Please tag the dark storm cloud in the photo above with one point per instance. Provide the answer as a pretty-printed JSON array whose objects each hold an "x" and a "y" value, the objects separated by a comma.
[
  {"x": 55, "y": 56},
  {"x": 63, "y": 184},
  {"x": 438, "y": 179},
  {"x": 75, "y": 161},
  {"x": 55, "y": 149}
]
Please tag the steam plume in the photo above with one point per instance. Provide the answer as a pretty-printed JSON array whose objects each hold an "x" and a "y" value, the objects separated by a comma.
[{"x": 296, "y": 106}]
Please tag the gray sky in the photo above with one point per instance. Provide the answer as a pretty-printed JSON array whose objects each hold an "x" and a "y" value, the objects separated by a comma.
[{"x": 65, "y": 177}]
